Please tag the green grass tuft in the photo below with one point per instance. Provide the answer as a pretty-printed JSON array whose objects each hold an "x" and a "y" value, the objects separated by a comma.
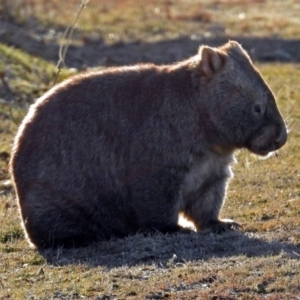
[{"x": 11, "y": 235}]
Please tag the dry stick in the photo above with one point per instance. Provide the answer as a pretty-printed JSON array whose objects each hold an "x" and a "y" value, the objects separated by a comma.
[
  {"x": 62, "y": 54},
  {"x": 12, "y": 116},
  {"x": 11, "y": 93},
  {"x": 68, "y": 36}
]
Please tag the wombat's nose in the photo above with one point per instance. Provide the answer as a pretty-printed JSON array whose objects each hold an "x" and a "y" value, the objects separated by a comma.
[{"x": 281, "y": 139}]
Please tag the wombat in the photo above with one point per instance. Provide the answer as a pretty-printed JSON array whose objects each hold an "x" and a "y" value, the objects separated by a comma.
[{"x": 126, "y": 150}]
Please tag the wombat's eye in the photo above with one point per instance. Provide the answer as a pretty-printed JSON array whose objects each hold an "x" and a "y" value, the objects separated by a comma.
[{"x": 257, "y": 109}]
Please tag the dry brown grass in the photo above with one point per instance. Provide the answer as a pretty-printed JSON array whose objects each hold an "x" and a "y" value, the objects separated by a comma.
[
  {"x": 155, "y": 19},
  {"x": 260, "y": 262}
]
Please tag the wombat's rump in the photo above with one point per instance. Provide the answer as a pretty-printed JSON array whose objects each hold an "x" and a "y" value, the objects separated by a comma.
[{"x": 127, "y": 149}]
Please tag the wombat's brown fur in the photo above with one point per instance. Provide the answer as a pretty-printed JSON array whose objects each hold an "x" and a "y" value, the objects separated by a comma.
[{"x": 125, "y": 150}]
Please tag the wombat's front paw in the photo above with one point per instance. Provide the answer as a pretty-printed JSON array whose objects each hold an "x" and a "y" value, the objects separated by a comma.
[{"x": 224, "y": 225}]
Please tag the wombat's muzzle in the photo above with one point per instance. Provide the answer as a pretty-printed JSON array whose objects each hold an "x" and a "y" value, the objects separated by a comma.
[
  {"x": 281, "y": 139},
  {"x": 266, "y": 143}
]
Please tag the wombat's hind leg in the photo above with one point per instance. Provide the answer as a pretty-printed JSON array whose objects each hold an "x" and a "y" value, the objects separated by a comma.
[
  {"x": 177, "y": 229},
  {"x": 54, "y": 240},
  {"x": 50, "y": 221},
  {"x": 223, "y": 225}
]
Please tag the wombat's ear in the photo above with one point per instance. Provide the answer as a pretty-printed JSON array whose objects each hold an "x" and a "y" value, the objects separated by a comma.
[{"x": 212, "y": 60}]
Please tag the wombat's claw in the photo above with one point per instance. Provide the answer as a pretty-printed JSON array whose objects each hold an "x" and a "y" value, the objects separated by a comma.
[
  {"x": 224, "y": 225},
  {"x": 235, "y": 226}
]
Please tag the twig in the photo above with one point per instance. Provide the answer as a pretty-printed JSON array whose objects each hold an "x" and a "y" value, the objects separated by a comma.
[
  {"x": 5, "y": 84},
  {"x": 68, "y": 36},
  {"x": 11, "y": 94},
  {"x": 12, "y": 116}
]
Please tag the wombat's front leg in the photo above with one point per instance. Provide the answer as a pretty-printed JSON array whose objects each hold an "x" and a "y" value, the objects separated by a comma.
[{"x": 204, "y": 205}]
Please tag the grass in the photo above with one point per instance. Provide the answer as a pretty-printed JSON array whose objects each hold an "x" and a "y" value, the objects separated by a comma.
[
  {"x": 163, "y": 18},
  {"x": 260, "y": 262}
]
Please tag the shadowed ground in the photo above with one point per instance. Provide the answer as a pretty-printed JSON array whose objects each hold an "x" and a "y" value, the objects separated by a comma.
[{"x": 94, "y": 52}]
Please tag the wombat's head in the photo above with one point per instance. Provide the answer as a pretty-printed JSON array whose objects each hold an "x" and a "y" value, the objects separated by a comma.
[{"x": 241, "y": 106}]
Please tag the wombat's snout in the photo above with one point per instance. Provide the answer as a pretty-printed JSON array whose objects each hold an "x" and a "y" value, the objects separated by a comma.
[{"x": 281, "y": 139}]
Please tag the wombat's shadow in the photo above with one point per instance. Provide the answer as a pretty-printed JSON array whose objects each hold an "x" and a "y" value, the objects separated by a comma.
[{"x": 162, "y": 249}]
